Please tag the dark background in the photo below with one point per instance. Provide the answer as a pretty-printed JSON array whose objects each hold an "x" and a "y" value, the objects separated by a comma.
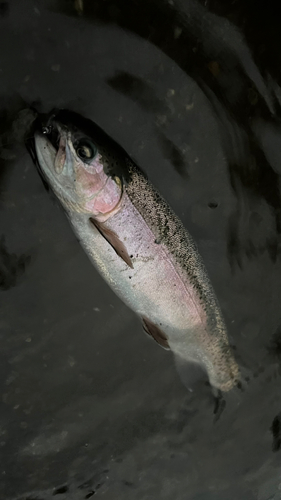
[{"x": 89, "y": 406}]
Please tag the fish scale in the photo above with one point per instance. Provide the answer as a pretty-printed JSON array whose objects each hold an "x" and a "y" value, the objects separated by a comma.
[{"x": 138, "y": 244}]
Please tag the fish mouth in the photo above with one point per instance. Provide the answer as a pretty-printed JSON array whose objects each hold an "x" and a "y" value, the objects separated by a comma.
[
  {"x": 43, "y": 125},
  {"x": 46, "y": 126},
  {"x": 30, "y": 145},
  {"x": 51, "y": 129},
  {"x": 52, "y": 134},
  {"x": 45, "y": 130}
]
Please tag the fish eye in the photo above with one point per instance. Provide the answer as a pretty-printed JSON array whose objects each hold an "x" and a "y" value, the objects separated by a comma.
[{"x": 85, "y": 149}]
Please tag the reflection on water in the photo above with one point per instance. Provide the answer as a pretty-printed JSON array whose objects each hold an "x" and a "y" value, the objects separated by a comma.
[{"x": 192, "y": 90}]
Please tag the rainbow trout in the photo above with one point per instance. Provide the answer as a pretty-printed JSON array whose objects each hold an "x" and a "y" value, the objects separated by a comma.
[{"x": 136, "y": 242}]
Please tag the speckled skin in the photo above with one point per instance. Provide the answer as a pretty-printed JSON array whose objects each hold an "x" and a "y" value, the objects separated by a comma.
[{"x": 168, "y": 284}]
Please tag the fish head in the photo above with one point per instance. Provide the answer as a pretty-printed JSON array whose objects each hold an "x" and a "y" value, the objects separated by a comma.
[{"x": 82, "y": 165}]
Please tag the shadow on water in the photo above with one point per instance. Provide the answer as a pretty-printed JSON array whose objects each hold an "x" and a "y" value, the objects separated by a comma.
[
  {"x": 249, "y": 17},
  {"x": 144, "y": 95},
  {"x": 4, "y": 9},
  {"x": 236, "y": 73},
  {"x": 16, "y": 117},
  {"x": 138, "y": 91},
  {"x": 174, "y": 154},
  {"x": 12, "y": 266}
]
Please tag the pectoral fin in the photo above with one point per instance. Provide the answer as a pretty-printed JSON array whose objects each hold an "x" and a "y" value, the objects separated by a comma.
[
  {"x": 156, "y": 333},
  {"x": 112, "y": 238}
]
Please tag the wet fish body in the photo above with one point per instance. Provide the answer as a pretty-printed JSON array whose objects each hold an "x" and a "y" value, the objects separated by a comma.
[{"x": 138, "y": 245}]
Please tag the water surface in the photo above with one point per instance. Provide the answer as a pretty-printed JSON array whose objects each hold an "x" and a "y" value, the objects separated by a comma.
[{"x": 89, "y": 406}]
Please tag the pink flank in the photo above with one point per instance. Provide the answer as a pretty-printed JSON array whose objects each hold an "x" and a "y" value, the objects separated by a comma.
[{"x": 100, "y": 192}]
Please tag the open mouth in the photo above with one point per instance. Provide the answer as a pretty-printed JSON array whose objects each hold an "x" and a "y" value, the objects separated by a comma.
[
  {"x": 31, "y": 148},
  {"x": 46, "y": 126},
  {"x": 53, "y": 136},
  {"x": 51, "y": 131}
]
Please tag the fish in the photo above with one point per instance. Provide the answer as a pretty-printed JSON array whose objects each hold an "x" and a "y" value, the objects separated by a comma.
[{"x": 136, "y": 242}]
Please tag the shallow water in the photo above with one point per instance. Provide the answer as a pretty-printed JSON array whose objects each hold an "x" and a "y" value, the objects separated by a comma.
[{"x": 89, "y": 405}]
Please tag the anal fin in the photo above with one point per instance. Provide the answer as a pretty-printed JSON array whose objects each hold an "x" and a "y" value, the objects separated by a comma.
[
  {"x": 112, "y": 238},
  {"x": 155, "y": 332}
]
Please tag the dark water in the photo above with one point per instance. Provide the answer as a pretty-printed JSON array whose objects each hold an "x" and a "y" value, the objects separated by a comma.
[{"x": 90, "y": 407}]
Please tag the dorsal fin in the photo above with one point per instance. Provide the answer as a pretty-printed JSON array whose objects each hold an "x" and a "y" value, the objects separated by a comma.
[{"x": 112, "y": 238}]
